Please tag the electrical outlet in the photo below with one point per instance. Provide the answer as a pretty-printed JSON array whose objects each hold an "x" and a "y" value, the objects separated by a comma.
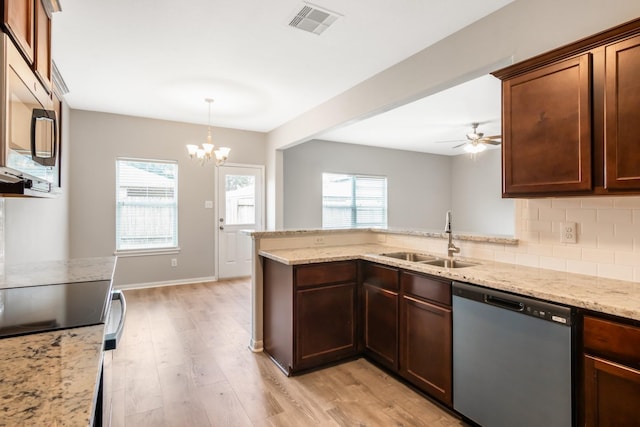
[
  {"x": 568, "y": 232},
  {"x": 318, "y": 240},
  {"x": 381, "y": 238},
  {"x": 174, "y": 262},
  {"x": 208, "y": 204}
]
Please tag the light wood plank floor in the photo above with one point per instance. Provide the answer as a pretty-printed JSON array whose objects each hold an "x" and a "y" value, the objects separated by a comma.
[{"x": 184, "y": 361}]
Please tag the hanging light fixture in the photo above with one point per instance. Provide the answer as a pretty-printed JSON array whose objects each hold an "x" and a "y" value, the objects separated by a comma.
[{"x": 206, "y": 152}]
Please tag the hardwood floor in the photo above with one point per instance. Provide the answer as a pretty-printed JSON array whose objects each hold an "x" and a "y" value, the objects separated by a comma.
[{"x": 184, "y": 361}]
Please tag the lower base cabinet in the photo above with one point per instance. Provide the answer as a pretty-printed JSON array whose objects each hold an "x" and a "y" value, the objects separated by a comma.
[
  {"x": 611, "y": 373},
  {"x": 310, "y": 313},
  {"x": 426, "y": 334}
]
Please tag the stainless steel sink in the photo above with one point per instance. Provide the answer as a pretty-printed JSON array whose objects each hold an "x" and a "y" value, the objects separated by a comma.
[
  {"x": 450, "y": 263},
  {"x": 411, "y": 256}
]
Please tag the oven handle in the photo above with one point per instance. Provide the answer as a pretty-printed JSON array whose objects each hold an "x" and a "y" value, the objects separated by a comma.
[{"x": 111, "y": 338}]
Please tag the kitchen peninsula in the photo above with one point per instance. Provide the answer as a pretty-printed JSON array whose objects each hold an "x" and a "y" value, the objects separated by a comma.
[{"x": 52, "y": 378}]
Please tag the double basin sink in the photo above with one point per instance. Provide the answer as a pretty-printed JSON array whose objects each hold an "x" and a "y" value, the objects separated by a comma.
[{"x": 429, "y": 260}]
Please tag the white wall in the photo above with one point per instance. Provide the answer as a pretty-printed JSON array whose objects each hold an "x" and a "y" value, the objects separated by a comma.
[
  {"x": 98, "y": 139},
  {"x": 518, "y": 31},
  {"x": 418, "y": 184},
  {"x": 37, "y": 229},
  {"x": 476, "y": 200}
]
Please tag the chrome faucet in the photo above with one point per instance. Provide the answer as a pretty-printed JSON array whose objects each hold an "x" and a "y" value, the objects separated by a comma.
[{"x": 451, "y": 248}]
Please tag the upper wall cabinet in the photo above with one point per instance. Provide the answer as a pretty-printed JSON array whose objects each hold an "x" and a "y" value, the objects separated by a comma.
[
  {"x": 569, "y": 118},
  {"x": 29, "y": 26}
]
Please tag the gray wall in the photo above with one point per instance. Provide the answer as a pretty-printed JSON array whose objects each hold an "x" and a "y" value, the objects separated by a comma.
[
  {"x": 98, "y": 139},
  {"x": 421, "y": 187},
  {"x": 418, "y": 184},
  {"x": 476, "y": 202},
  {"x": 38, "y": 229}
]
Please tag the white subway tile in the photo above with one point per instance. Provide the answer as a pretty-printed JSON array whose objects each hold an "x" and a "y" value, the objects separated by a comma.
[
  {"x": 552, "y": 263},
  {"x": 615, "y": 243},
  {"x": 598, "y": 255},
  {"x": 596, "y": 229},
  {"x": 582, "y": 215},
  {"x": 506, "y": 257},
  {"x": 626, "y": 230},
  {"x": 539, "y": 226},
  {"x": 540, "y": 203},
  {"x": 597, "y": 202},
  {"x": 613, "y": 271},
  {"x": 615, "y": 216},
  {"x": 540, "y": 249},
  {"x": 636, "y": 274},
  {"x": 627, "y": 258},
  {"x": 549, "y": 238},
  {"x": 581, "y": 267},
  {"x": 528, "y": 260},
  {"x": 636, "y": 216},
  {"x": 632, "y": 202},
  {"x": 566, "y": 203},
  {"x": 568, "y": 252},
  {"x": 552, "y": 214}
]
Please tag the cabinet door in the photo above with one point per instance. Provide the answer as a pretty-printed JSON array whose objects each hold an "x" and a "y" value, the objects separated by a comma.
[
  {"x": 546, "y": 122},
  {"x": 380, "y": 308},
  {"x": 325, "y": 325},
  {"x": 42, "y": 57},
  {"x": 612, "y": 394},
  {"x": 622, "y": 127},
  {"x": 425, "y": 352},
  {"x": 18, "y": 20}
]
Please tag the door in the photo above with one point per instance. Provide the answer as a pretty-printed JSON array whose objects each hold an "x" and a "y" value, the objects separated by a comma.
[{"x": 240, "y": 201}]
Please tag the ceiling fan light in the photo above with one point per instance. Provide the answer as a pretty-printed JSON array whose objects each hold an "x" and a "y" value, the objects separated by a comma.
[{"x": 475, "y": 148}]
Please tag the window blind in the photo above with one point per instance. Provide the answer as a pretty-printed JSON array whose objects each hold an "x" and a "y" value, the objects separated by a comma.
[
  {"x": 146, "y": 204},
  {"x": 353, "y": 201}
]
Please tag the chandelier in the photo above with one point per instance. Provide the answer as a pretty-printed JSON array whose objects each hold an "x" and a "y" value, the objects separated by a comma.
[{"x": 206, "y": 152}]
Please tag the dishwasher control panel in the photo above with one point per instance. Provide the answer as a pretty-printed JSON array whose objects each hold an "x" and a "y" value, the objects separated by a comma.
[{"x": 525, "y": 305}]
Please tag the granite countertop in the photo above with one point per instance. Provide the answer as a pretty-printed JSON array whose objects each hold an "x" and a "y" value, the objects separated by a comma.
[
  {"x": 52, "y": 378},
  {"x": 616, "y": 297},
  {"x": 54, "y": 272}
]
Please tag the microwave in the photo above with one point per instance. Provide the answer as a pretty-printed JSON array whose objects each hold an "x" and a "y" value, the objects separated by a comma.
[{"x": 29, "y": 150}]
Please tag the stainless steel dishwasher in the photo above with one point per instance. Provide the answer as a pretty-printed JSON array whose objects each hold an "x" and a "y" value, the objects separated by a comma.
[{"x": 512, "y": 359}]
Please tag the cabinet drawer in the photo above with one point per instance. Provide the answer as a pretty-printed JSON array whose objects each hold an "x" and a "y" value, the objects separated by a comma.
[
  {"x": 427, "y": 287},
  {"x": 615, "y": 340},
  {"x": 325, "y": 273},
  {"x": 380, "y": 276}
]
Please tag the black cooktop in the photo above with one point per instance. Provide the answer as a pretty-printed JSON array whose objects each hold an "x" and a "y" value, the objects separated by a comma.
[{"x": 35, "y": 309}]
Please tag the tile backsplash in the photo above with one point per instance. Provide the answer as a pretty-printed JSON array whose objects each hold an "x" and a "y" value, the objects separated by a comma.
[
  {"x": 608, "y": 236},
  {"x": 1, "y": 231}
]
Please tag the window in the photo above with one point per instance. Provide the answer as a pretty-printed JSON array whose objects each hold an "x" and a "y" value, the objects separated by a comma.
[
  {"x": 353, "y": 201},
  {"x": 146, "y": 205}
]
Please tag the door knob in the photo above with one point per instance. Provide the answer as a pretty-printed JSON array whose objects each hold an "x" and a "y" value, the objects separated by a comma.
[{"x": 221, "y": 227}]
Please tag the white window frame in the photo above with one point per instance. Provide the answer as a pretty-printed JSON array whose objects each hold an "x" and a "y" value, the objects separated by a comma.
[
  {"x": 354, "y": 205},
  {"x": 141, "y": 251}
]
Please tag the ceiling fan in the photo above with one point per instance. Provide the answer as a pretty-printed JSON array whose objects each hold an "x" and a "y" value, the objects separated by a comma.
[{"x": 476, "y": 141}]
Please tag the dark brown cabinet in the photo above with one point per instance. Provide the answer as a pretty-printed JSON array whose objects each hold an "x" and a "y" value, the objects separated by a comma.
[
  {"x": 42, "y": 53},
  {"x": 622, "y": 88},
  {"x": 426, "y": 334},
  {"x": 380, "y": 313},
  {"x": 611, "y": 373},
  {"x": 310, "y": 313},
  {"x": 29, "y": 26},
  {"x": 18, "y": 21},
  {"x": 569, "y": 118}
]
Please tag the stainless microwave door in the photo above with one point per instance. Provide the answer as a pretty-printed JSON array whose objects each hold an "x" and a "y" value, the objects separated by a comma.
[{"x": 21, "y": 124}]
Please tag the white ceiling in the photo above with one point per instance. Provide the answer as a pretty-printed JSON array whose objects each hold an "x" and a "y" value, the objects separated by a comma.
[
  {"x": 423, "y": 125},
  {"x": 161, "y": 58}
]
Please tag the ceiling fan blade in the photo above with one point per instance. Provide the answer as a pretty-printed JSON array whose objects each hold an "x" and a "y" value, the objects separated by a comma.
[
  {"x": 448, "y": 141},
  {"x": 492, "y": 142},
  {"x": 493, "y": 137},
  {"x": 460, "y": 145}
]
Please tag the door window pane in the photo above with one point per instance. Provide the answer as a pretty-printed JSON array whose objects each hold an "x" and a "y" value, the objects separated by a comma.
[{"x": 240, "y": 199}]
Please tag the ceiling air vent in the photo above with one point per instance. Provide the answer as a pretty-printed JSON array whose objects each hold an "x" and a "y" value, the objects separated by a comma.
[{"x": 313, "y": 19}]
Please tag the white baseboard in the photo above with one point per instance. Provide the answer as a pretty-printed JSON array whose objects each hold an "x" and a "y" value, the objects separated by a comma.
[
  {"x": 256, "y": 346},
  {"x": 167, "y": 283}
]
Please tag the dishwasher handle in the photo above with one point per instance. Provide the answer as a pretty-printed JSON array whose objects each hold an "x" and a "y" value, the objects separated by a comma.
[
  {"x": 504, "y": 303},
  {"x": 113, "y": 336}
]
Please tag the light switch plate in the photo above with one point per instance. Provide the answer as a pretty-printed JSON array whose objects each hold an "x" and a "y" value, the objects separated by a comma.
[
  {"x": 208, "y": 204},
  {"x": 568, "y": 232}
]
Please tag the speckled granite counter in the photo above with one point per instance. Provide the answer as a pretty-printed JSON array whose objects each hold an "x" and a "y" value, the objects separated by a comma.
[
  {"x": 609, "y": 296},
  {"x": 52, "y": 378},
  {"x": 53, "y": 272}
]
